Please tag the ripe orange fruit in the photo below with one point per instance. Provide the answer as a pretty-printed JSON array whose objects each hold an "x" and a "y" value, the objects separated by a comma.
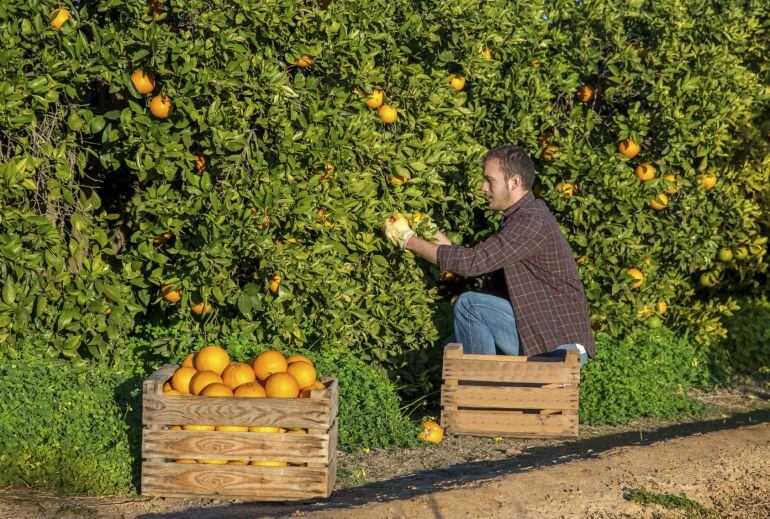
[
  {"x": 645, "y": 172},
  {"x": 662, "y": 307},
  {"x": 188, "y": 361},
  {"x": 214, "y": 462},
  {"x": 305, "y": 393},
  {"x": 216, "y": 389},
  {"x": 375, "y": 99},
  {"x": 303, "y": 372},
  {"x": 629, "y": 148},
  {"x": 167, "y": 386},
  {"x": 160, "y": 107},
  {"x": 659, "y": 202},
  {"x": 431, "y": 432},
  {"x": 268, "y": 363},
  {"x": 395, "y": 180},
  {"x": 585, "y": 93},
  {"x": 237, "y": 374},
  {"x": 671, "y": 185},
  {"x": 637, "y": 275},
  {"x": 298, "y": 358},
  {"x": 275, "y": 283},
  {"x": 549, "y": 154},
  {"x": 266, "y": 429},
  {"x": 143, "y": 82},
  {"x": 181, "y": 379},
  {"x": 185, "y": 460},
  {"x": 304, "y": 61},
  {"x": 202, "y": 379},
  {"x": 172, "y": 392},
  {"x": 201, "y": 163},
  {"x": 251, "y": 390},
  {"x": 708, "y": 180},
  {"x": 457, "y": 81},
  {"x": 175, "y": 428},
  {"x": 171, "y": 294},
  {"x": 269, "y": 463},
  {"x": 485, "y": 53},
  {"x": 59, "y": 16},
  {"x": 212, "y": 358},
  {"x": 387, "y": 114},
  {"x": 198, "y": 427},
  {"x": 281, "y": 385},
  {"x": 232, "y": 428},
  {"x": 296, "y": 430},
  {"x": 163, "y": 238},
  {"x": 565, "y": 189},
  {"x": 237, "y": 462}
]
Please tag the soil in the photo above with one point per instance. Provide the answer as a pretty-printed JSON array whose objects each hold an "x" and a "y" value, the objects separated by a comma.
[{"x": 721, "y": 463}]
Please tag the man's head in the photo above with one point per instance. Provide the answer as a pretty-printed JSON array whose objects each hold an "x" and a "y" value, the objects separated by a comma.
[{"x": 508, "y": 176}]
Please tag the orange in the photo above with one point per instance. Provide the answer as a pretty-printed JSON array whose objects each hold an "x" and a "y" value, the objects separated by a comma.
[
  {"x": 457, "y": 81},
  {"x": 431, "y": 432},
  {"x": 175, "y": 428},
  {"x": 645, "y": 172},
  {"x": 202, "y": 379},
  {"x": 375, "y": 99},
  {"x": 214, "y": 462},
  {"x": 59, "y": 17},
  {"x": 163, "y": 238},
  {"x": 160, "y": 107},
  {"x": 251, "y": 390},
  {"x": 304, "y": 61},
  {"x": 212, "y": 358},
  {"x": 659, "y": 202},
  {"x": 305, "y": 393},
  {"x": 232, "y": 428},
  {"x": 303, "y": 372},
  {"x": 198, "y": 427},
  {"x": 662, "y": 307},
  {"x": 268, "y": 363},
  {"x": 638, "y": 277},
  {"x": 281, "y": 385},
  {"x": 188, "y": 361},
  {"x": 266, "y": 429},
  {"x": 275, "y": 283},
  {"x": 549, "y": 155},
  {"x": 237, "y": 462},
  {"x": 671, "y": 185},
  {"x": 237, "y": 374},
  {"x": 585, "y": 93},
  {"x": 387, "y": 114},
  {"x": 201, "y": 308},
  {"x": 217, "y": 389},
  {"x": 297, "y": 358},
  {"x": 565, "y": 188},
  {"x": 629, "y": 148},
  {"x": 485, "y": 53},
  {"x": 708, "y": 180},
  {"x": 143, "y": 82},
  {"x": 269, "y": 463},
  {"x": 201, "y": 163},
  {"x": 395, "y": 180},
  {"x": 167, "y": 386},
  {"x": 181, "y": 379},
  {"x": 172, "y": 392},
  {"x": 296, "y": 430},
  {"x": 171, "y": 294},
  {"x": 185, "y": 460}
]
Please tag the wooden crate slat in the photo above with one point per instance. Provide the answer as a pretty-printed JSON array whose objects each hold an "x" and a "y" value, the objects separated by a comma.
[
  {"x": 503, "y": 423},
  {"x": 203, "y": 410},
  {"x": 154, "y": 383},
  {"x": 520, "y": 372},
  {"x": 297, "y": 448},
  {"x": 509, "y": 397},
  {"x": 242, "y": 481},
  {"x": 331, "y": 474}
]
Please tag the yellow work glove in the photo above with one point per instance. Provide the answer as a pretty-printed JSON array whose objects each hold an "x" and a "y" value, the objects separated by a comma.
[{"x": 397, "y": 230}]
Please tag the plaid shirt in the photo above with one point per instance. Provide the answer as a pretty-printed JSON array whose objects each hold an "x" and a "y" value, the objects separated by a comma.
[{"x": 540, "y": 277}]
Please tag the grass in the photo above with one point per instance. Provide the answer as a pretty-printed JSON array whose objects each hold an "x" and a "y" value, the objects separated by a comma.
[{"x": 670, "y": 501}]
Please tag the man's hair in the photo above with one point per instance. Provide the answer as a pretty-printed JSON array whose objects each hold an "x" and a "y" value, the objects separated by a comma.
[{"x": 513, "y": 161}]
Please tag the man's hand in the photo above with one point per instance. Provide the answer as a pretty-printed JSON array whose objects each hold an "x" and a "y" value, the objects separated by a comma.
[
  {"x": 397, "y": 230},
  {"x": 425, "y": 227}
]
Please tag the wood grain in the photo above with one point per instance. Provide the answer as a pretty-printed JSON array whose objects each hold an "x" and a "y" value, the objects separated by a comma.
[
  {"x": 519, "y": 372},
  {"x": 502, "y": 423},
  {"x": 509, "y": 397}
]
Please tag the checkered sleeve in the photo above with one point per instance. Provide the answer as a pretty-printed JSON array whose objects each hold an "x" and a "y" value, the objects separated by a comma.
[{"x": 516, "y": 241}]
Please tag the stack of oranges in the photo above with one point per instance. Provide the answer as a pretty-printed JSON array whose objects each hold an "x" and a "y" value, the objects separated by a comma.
[{"x": 210, "y": 372}]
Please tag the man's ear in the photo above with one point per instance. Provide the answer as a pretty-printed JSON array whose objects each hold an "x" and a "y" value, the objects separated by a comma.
[{"x": 513, "y": 182}]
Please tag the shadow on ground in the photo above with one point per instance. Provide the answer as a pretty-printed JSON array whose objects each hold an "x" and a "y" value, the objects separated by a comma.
[{"x": 436, "y": 480}]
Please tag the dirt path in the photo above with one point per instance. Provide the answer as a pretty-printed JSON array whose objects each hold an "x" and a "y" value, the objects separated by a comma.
[{"x": 722, "y": 463}]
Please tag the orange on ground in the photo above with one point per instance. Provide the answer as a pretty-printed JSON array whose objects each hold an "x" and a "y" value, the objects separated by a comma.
[
  {"x": 266, "y": 429},
  {"x": 303, "y": 372},
  {"x": 181, "y": 379},
  {"x": 212, "y": 358},
  {"x": 189, "y": 360},
  {"x": 237, "y": 374},
  {"x": 143, "y": 82},
  {"x": 251, "y": 390},
  {"x": 171, "y": 294},
  {"x": 198, "y": 427},
  {"x": 387, "y": 114},
  {"x": 281, "y": 385},
  {"x": 217, "y": 389},
  {"x": 268, "y": 363},
  {"x": 160, "y": 107},
  {"x": 202, "y": 379},
  {"x": 232, "y": 428},
  {"x": 431, "y": 432},
  {"x": 298, "y": 357}
]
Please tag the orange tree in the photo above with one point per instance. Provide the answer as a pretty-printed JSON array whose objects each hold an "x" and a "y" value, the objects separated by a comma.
[{"x": 228, "y": 164}]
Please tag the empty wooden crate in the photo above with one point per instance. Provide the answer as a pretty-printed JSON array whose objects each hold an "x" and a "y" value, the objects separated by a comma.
[
  {"x": 502, "y": 395},
  {"x": 310, "y": 458}
]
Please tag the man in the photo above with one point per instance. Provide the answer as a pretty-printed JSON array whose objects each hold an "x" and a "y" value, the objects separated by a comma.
[{"x": 538, "y": 306}]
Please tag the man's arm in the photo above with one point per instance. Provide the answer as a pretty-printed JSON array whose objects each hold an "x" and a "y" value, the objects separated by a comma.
[{"x": 423, "y": 248}]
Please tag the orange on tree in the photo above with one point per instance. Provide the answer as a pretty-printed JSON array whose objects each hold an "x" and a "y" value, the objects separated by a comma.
[
  {"x": 671, "y": 185},
  {"x": 725, "y": 255},
  {"x": 212, "y": 358},
  {"x": 708, "y": 180},
  {"x": 201, "y": 308},
  {"x": 160, "y": 106},
  {"x": 741, "y": 253},
  {"x": 708, "y": 279},
  {"x": 375, "y": 99},
  {"x": 163, "y": 238},
  {"x": 281, "y": 385},
  {"x": 565, "y": 189},
  {"x": 457, "y": 81},
  {"x": 275, "y": 282},
  {"x": 645, "y": 172},
  {"x": 485, "y": 53},
  {"x": 629, "y": 148},
  {"x": 181, "y": 379},
  {"x": 58, "y": 17},
  {"x": 238, "y": 374},
  {"x": 637, "y": 276},
  {"x": 584, "y": 93},
  {"x": 387, "y": 114},
  {"x": 303, "y": 372},
  {"x": 660, "y": 202},
  {"x": 298, "y": 357},
  {"x": 661, "y": 307},
  {"x": 171, "y": 294},
  {"x": 201, "y": 162},
  {"x": 189, "y": 360},
  {"x": 232, "y": 428},
  {"x": 431, "y": 432},
  {"x": 198, "y": 427},
  {"x": 144, "y": 83},
  {"x": 202, "y": 379},
  {"x": 304, "y": 61},
  {"x": 550, "y": 153},
  {"x": 250, "y": 390},
  {"x": 268, "y": 363}
]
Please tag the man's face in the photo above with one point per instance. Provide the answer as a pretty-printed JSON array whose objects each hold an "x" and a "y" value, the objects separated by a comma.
[{"x": 496, "y": 188}]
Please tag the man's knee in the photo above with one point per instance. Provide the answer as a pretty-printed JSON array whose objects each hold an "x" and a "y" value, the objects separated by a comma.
[{"x": 464, "y": 306}]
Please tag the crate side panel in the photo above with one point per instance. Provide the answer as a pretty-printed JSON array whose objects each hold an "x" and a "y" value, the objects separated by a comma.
[{"x": 509, "y": 397}]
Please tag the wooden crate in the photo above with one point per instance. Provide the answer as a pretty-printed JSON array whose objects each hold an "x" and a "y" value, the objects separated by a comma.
[
  {"x": 502, "y": 395},
  {"x": 312, "y": 456}
]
